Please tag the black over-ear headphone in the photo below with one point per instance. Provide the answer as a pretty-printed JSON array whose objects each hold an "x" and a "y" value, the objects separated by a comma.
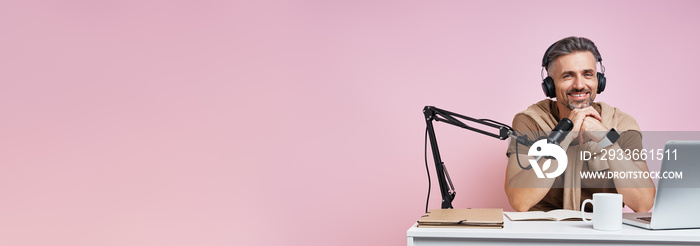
[{"x": 548, "y": 82}]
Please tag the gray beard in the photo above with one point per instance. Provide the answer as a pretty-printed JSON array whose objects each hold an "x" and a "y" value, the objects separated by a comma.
[{"x": 586, "y": 103}]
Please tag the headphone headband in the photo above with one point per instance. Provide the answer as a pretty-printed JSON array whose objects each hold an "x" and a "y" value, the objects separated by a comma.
[{"x": 545, "y": 59}]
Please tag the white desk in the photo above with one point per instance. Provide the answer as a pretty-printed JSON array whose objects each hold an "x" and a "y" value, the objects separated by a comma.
[{"x": 550, "y": 233}]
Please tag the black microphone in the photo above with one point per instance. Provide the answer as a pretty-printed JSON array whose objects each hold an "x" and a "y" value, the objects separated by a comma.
[{"x": 558, "y": 133}]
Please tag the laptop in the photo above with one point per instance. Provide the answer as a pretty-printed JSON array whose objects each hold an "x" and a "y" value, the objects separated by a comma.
[{"x": 677, "y": 202}]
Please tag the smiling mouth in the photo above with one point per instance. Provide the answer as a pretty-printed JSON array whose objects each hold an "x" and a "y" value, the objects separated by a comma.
[{"x": 578, "y": 95}]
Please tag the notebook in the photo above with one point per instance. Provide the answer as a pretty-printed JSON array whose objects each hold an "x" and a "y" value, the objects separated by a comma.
[
  {"x": 466, "y": 218},
  {"x": 555, "y": 215}
]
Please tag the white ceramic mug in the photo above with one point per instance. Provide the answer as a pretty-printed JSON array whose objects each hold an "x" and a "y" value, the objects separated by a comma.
[{"x": 607, "y": 211}]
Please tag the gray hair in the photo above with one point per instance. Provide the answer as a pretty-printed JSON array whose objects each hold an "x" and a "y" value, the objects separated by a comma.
[{"x": 570, "y": 45}]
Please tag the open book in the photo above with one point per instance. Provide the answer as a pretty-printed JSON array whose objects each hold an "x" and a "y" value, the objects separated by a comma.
[{"x": 556, "y": 215}]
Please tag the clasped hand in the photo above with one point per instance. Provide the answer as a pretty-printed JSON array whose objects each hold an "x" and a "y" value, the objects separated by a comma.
[{"x": 588, "y": 124}]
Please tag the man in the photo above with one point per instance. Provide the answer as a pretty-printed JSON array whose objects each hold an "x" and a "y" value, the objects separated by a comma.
[{"x": 597, "y": 128}]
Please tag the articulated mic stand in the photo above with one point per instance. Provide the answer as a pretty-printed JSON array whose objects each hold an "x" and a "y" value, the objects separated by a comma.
[{"x": 435, "y": 114}]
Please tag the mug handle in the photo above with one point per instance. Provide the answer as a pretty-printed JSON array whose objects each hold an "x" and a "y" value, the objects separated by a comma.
[{"x": 583, "y": 213}]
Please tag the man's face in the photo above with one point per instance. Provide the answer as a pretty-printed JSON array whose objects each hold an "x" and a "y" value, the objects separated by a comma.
[{"x": 575, "y": 79}]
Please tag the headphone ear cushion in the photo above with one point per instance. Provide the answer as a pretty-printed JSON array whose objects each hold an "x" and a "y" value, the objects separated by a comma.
[
  {"x": 601, "y": 82},
  {"x": 548, "y": 87}
]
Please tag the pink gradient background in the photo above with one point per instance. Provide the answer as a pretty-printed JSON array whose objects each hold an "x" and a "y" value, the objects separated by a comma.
[{"x": 290, "y": 122}]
